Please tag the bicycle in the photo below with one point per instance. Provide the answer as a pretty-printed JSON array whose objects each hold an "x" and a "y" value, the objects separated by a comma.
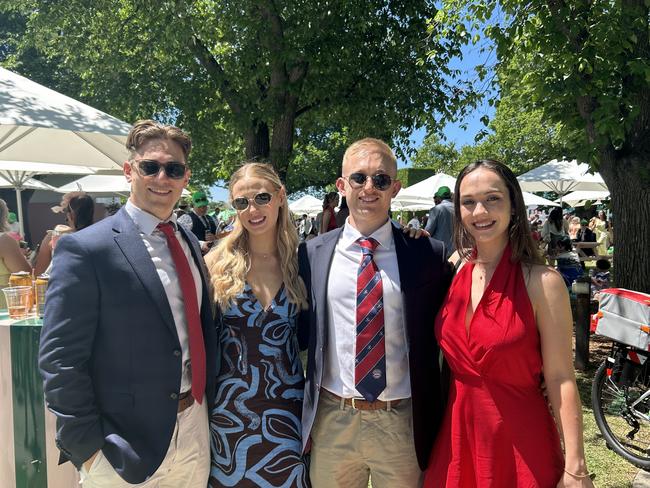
[{"x": 620, "y": 393}]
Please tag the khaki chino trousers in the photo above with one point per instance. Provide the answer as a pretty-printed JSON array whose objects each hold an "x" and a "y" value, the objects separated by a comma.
[{"x": 351, "y": 446}]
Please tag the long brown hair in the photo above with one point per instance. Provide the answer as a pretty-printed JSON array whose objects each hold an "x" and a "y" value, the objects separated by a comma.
[{"x": 521, "y": 241}]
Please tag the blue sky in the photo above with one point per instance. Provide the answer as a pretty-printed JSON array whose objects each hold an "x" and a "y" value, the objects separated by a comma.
[{"x": 452, "y": 132}]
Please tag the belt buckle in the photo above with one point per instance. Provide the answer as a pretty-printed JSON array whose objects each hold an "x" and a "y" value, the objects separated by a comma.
[{"x": 354, "y": 407}]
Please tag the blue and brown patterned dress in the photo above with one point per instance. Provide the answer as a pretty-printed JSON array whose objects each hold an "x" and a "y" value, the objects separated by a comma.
[{"x": 255, "y": 430}]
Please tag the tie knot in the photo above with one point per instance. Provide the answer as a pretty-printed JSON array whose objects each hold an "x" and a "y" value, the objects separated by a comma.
[
  {"x": 166, "y": 228},
  {"x": 368, "y": 245}
]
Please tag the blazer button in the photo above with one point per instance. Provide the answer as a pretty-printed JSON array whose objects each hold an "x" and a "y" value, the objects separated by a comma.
[
  {"x": 177, "y": 353},
  {"x": 174, "y": 396}
]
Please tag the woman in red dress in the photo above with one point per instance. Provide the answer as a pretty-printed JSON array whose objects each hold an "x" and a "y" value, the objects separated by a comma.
[
  {"x": 328, "y": 218},
  {"x": 505, "y": 324}
]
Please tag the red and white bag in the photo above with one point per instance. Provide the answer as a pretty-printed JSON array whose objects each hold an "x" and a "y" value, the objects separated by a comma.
[{"x": 624, "y": 316}]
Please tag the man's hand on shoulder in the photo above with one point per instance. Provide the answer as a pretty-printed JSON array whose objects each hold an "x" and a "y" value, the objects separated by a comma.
[{"x": 415, "y": 233}]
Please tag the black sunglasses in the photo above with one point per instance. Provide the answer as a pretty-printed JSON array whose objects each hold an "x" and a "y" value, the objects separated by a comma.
[
  {"x": 173, "y": 169},
  {"x": 261, "y": 199},
  {"x": 380, "y": 181}
]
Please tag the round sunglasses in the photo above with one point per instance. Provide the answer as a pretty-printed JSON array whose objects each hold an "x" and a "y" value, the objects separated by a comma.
[
  {"x": 380, "y": 181},
  {"x": 261, "y": 199},
  {"x": 173, "y": 169}
]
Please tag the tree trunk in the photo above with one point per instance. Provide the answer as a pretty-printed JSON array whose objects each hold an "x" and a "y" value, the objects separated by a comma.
[
  {"x": 257, "y": 142},
  {"x": 630, "y": 198},
  {"x": 276, "y": 150},
  {"x": 282, "y": 140}
]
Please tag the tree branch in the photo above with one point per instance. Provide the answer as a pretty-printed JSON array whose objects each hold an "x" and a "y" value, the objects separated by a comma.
[
  {"x": 214, "y": 69},
  {"x": 346, "y": 95}
]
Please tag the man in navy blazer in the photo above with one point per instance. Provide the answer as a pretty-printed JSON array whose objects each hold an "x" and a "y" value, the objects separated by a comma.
[
  {"x": 122, "y": 354},
  {"x": 355, "y": 434}
]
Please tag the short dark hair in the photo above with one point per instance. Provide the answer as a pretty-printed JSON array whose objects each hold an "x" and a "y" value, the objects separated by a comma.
[
  {"x": 149, "y": 130},
  {"x": 521, "y": 241},
  {"x": 603, "y": 264}
]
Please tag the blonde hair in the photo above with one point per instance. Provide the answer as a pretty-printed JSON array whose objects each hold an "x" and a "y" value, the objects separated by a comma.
[
  {"x": 370, "y": 146},
  {"x": 230, "y": 261}
]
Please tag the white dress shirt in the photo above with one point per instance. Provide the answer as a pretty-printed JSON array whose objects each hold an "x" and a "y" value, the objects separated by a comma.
[
  {"x": 338, "y": 370},
  {"x": 156, "y": 243}
]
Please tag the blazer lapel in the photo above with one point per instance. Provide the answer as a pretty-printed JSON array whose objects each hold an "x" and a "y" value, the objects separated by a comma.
[
  {"x": 129, "y": 241},
  {"x": 321, "y": 263},
  {"x": 407, "y": 274},
  {"x": 407, "y": 268}
]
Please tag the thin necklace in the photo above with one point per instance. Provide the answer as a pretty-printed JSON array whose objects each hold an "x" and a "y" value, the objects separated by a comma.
[{"x": 263, "y": 255}]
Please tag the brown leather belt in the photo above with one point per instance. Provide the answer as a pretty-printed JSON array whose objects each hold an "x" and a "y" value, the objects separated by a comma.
[
  {"x": 185, "y": 401},
  {"x": 361, "y": 404}
]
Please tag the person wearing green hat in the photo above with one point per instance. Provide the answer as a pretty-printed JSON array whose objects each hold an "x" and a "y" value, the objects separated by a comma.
[
  {"x": 14, "y": 225},
  {"x": 441, "y": 219},
  {"x": 202, "y": 225}
]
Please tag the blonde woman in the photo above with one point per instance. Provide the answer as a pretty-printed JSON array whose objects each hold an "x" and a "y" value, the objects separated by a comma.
[{"x": 256, "y": 422}]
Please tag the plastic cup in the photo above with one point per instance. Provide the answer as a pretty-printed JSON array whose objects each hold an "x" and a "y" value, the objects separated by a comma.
[{"x": 19, "y": 301}]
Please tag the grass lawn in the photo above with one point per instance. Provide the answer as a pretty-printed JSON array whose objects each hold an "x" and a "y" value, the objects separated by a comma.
[{"x": 610, "y": 470}]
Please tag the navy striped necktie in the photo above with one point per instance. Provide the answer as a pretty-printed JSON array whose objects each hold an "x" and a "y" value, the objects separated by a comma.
[{"x": 370, "y": 360}]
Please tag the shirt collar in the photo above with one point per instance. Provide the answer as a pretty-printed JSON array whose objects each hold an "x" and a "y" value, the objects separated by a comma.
[
  {"x": 383, "y": 235},
  {"x": 145, "y": 221}
]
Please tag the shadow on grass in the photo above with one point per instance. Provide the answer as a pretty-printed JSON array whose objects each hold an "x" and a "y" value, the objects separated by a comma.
[{"x": 609, "y": 469}]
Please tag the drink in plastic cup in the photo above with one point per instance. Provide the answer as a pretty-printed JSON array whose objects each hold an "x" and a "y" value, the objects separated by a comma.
[{"x": 19, "y": 301}]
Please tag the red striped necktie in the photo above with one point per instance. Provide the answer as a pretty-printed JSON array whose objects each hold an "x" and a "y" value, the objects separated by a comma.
[
  {"x": 370, "y": 361},
  {"x": 191, "y": 304}
]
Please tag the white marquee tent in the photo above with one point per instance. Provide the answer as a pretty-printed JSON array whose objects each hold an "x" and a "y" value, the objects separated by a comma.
[
  {"x": 577, "y": 197},
  {"x": 306, "y": 204},
  {"x": 561, "y": 177},
  {"x": 42, "y": 131}
]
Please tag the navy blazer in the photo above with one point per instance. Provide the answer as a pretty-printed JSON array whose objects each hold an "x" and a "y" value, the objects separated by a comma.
[
  {"x": 425, "y": 276},
  {"x": 110, "y": 356}
]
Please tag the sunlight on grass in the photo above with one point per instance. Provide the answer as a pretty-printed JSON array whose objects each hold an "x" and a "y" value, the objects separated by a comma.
[{"x": 610, "y": 469}]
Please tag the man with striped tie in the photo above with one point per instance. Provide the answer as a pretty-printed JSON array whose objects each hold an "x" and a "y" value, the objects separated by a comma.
[{"x": 373, "y": 396}]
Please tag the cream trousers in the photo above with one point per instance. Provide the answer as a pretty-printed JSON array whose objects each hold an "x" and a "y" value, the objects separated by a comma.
[{"x": 186, "y": 464}]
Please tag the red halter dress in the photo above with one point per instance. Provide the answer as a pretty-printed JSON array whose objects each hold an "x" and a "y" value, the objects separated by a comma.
[{"x": 497, "y": 431}]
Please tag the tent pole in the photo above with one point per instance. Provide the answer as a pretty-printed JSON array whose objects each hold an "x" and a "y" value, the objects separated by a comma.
[{"x": 19, "y": 205}]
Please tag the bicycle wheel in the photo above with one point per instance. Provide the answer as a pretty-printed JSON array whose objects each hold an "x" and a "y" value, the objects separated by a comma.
[{"x": 625, "y": 427}]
